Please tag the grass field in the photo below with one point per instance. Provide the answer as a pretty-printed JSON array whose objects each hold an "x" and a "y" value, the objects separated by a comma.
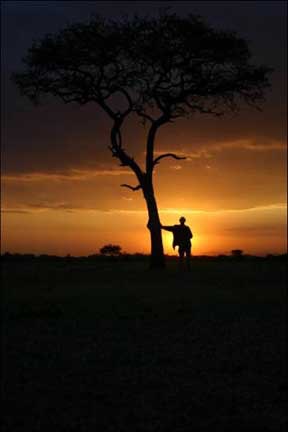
[{"x": 112, "y": 346}]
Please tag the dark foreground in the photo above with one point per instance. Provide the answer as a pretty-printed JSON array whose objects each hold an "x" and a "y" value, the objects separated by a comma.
[{"x": 113, "y": 347}]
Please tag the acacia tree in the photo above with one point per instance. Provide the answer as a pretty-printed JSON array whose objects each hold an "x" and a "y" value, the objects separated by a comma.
[
  {"x": 111, "y": 250},
  {"x": 158, "y": 68}
]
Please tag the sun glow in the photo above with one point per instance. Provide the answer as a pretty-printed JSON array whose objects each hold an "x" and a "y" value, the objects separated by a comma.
[{"x": 82, "y": 232}]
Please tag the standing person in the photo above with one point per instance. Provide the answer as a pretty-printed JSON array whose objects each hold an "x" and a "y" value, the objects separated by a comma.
[{"x": 182, "y": 236}]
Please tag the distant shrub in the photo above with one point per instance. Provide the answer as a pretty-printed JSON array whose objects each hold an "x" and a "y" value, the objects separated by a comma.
[
  {"x": 237, "y": 253},
  {"x": 111, "y": 250}
]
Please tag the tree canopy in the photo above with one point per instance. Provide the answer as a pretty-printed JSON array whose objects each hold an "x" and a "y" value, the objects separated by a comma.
[{"x": 172, "y": 65}]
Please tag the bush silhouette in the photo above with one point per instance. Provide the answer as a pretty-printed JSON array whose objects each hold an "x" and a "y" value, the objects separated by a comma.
[
  {"x": 111, "y": 250},
  {"x": 237, "y": 253}
]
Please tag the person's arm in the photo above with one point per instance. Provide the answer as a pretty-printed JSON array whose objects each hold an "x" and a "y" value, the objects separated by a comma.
[
  {"x": 190, "y": 233},
  {"x": 167, "y": 228}
]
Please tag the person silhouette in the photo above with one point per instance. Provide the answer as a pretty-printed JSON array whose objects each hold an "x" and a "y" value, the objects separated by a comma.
[{"x": 182, "y": 236}]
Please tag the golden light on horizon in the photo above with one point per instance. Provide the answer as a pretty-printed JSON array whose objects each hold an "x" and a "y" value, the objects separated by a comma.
[
  {"x": 77, "y": 211},
  {"x": 259, "y": 230}
]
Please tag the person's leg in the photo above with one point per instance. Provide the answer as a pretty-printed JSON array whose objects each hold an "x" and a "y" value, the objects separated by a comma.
[
  {"x": 188, "y": 258},
  {"x": 181, "y": 257}
]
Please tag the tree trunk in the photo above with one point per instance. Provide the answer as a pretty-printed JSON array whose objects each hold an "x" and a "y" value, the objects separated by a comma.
[{"x": 157, "y": 259}]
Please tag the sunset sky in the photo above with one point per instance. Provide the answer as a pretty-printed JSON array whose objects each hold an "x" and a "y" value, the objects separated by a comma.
[{"x": 61, "y": 188}]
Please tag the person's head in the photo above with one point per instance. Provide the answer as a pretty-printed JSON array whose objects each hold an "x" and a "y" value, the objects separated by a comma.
[{"x": 182, "y": 220}]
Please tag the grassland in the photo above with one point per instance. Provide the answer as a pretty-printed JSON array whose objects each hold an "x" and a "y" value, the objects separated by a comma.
[{"x": 112, "y": 346}]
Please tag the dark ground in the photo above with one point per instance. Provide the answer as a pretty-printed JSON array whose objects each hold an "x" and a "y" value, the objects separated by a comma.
[{"x": 114, "y": 347}]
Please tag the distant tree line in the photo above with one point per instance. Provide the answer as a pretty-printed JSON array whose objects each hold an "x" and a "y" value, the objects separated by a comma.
[{"x": 115, "y": 255}]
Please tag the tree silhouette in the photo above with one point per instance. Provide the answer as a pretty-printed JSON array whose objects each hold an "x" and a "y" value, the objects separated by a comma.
[
  {"x": 160, "y": 69},
  {"x": 237, "y": 253},
  {"x": 111, "y": 250}
]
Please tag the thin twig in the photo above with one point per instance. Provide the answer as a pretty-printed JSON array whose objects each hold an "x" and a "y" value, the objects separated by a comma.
[{"x": 174, "y": 156}]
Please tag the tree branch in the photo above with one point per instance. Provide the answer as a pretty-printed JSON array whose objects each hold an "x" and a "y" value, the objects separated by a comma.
[
  {"x": 107, "y": 109},
  {"x": 202, "y": 110},
  {"x": 129, "y": 100},
  {"x": 118, "y": 152},
  {"x": 174, "y": 156},
  {"x": 133, "y": 188},
  {"x": 150, "y": 141},
  {"x": 144, "y": 115}
]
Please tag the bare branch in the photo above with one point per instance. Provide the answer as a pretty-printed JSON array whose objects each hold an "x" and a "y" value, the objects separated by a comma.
[
  {"x": 107, "y": 109},
  {"x": 202, "y": 110},
  {"x": 174, "y": 156},
  {"x": 118, "y": 152},
  {"x": 144, "y": 115},
  {"x": 129, "y": 100},
  {"x": 133, "y": 188},
  {"x": 164, "y": 118}
]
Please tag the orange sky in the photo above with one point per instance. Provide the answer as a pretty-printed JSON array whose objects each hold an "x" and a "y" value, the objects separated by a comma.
[
  {"x": 61, "y": 189},
  {"x": 232, "y": 193}
]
